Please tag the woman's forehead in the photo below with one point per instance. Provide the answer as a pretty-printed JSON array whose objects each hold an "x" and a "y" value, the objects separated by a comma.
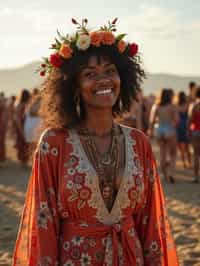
[{"x": 98, "y": 60}]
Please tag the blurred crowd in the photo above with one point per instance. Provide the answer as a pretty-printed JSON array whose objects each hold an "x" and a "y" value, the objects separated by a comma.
[
  {"x": 172, "y": 119},
  {"x": 20, "y": 122}
]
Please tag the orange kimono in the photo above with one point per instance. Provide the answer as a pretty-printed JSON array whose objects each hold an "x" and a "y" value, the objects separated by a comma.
[{"x": 65, "y": 221}]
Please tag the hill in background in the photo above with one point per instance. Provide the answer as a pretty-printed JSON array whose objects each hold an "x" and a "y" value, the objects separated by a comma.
[{"x": 13, "y": 80}]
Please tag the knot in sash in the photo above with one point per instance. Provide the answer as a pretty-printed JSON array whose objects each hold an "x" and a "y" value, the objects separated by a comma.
[{"x": 118, "y": 232}]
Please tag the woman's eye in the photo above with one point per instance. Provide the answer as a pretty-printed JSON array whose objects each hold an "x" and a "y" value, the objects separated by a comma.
[
  {"x": 111, "y": 71},
  {"x": 90, "y": 74}
]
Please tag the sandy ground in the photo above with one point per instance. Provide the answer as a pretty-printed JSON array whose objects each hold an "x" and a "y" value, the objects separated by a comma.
[{"x": 183, "y": 200}]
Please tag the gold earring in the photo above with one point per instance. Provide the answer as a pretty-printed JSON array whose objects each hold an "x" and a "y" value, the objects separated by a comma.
[
  {"x": 120, "y": 104},
  {"x": 78, "y": 108}
]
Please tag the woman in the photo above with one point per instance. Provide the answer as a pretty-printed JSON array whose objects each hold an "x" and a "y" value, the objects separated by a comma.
[
  {"x": 181, "y": 130},
  {"x": 94, "y": 197},
  {"x": 165, "y": 114},
  {"x": 3, "y": 127},
  {"x": 19, "y": 118},
  {"x": 32, "y": 122},
  {"x": 194, "y": 131},
  {"x": 133, "y": 118},
  {"x": 11, "y": 112}
]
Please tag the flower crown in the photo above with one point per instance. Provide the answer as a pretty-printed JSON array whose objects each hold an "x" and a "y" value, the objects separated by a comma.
[{"x": 65, "y": 47}]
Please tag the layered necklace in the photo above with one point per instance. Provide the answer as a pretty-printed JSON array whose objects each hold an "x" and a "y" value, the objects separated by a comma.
[{"x": 106, "y": 164}]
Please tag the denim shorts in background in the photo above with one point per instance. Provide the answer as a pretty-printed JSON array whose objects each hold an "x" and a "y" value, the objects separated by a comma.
[
  {"x": 195, "y": 133},
  {"x": 164, "y": 130}
]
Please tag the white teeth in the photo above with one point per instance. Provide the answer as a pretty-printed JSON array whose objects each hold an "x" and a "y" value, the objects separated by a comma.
[{"x": 103, "y": 91}]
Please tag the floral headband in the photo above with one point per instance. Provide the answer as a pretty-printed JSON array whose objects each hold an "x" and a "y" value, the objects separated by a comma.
[{"x": 66, "y": 47}]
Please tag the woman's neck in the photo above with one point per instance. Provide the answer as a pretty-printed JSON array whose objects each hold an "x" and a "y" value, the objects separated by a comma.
[{"x": 98, "y": 122}]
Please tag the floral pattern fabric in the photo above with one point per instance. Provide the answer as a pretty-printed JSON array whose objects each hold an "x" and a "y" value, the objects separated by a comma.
[{"x": 65, "y": 221}]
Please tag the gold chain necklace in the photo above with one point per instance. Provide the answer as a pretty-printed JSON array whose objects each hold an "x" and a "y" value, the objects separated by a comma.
[{"x": 106, "y": 164}]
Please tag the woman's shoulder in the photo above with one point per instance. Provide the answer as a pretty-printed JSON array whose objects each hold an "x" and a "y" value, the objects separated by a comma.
[
  {"x": 54, "y": 135},
  {"x": 136, "y": 135},
  {"x": 139, "y": 141}
]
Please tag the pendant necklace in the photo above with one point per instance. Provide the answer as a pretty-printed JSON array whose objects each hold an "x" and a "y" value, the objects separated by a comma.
[{"x": 106, "y": 164}]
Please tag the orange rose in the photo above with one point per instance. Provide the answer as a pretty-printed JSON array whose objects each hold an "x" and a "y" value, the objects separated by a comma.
[
  {"x": 121, "y": 46},
  {"x": 108, "y": 38},
  {"x": 65, "y": 51},
  {"x": 96, "y": 38}
]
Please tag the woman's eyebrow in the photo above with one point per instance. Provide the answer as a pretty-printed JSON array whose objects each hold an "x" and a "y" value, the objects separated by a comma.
[{"x": 94, "y": 67}]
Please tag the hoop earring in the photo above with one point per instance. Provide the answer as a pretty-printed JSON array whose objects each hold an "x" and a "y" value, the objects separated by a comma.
[
  {"x": 78, "y": 108},
  {"x": 120, "y": 104}
]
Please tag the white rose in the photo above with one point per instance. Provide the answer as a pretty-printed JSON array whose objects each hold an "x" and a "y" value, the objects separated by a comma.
[{"x": 83, "y": 42}]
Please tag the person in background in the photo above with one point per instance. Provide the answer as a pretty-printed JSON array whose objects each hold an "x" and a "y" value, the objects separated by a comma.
[
  {"x": 144, "y": 111},
  {"x": 162, "y": 125},
  {"x": 181, "y": 129},
  {"x": 11, "y": 114},
  {"x": 32, "y": 121},
  {"x": 3, "y": 126},
  {"x": 194, "y": 131},
  {"x": 19, "y": 118},
  {"x": 133, "y": 118},
  {"x": 149, "y": 102},
  {"x": 192, "y": 88}
]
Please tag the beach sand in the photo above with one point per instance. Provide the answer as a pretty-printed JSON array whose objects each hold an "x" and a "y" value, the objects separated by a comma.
[{"x": 183, "y": 202}]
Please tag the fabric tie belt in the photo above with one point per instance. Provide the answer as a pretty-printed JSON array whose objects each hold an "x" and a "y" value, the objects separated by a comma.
[{"x": 118, "y": 232}]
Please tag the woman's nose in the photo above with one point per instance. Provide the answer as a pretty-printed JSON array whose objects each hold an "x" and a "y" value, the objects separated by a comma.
[{"x": 102, "y": 78}]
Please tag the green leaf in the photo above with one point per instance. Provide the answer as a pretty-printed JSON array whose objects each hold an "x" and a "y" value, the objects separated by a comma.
[
  {"x": 59, "y": 34},
  {"x": 46, "y": 60},
  {"x": 120, "y": 37},
  {"x": 57, "y": 41}
]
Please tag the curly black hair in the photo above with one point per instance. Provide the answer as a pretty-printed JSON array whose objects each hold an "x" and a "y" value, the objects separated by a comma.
[{"x": 60, "y": 88}]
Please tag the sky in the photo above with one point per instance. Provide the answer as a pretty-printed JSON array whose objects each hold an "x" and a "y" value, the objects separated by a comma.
[{"x": 167, "y": 31}]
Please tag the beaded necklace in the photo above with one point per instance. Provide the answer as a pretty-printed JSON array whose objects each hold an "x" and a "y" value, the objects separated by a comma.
[{"x": 106, "y": 164}]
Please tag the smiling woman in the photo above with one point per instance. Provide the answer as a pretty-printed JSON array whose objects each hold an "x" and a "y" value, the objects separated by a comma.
[
  {"x": 94, "y": 196},
  {"x": 61, "y": 90}
]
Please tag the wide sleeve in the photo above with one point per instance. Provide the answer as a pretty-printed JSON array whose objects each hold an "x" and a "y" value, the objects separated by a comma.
[
  {"x": 37, "y": 241},
  {"x": 152, "y": 223}
]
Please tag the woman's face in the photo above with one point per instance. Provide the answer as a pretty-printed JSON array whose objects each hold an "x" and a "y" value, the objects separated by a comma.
[{"x": 99, "y": 84}]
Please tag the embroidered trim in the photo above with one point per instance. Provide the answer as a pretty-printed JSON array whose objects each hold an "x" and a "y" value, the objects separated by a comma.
[{"x": 132, "y": 178}]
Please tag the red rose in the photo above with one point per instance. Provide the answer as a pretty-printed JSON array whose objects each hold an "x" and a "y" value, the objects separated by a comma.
[
  {"x": 133, "y": 49},
  {"x": 42, "y": 73},
  {"x": 55, "y": 60}
]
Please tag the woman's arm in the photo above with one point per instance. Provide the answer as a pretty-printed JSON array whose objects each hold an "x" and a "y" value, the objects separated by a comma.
[
  {"x": 190, "y": 115},
  {"x": 37, "y": 240},
  {"x": 152, "y": 119},
  {"x": 152, "y": 223}
]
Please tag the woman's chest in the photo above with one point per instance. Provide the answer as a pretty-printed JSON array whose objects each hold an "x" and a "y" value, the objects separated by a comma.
[{"x": 80, "y": 190}]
